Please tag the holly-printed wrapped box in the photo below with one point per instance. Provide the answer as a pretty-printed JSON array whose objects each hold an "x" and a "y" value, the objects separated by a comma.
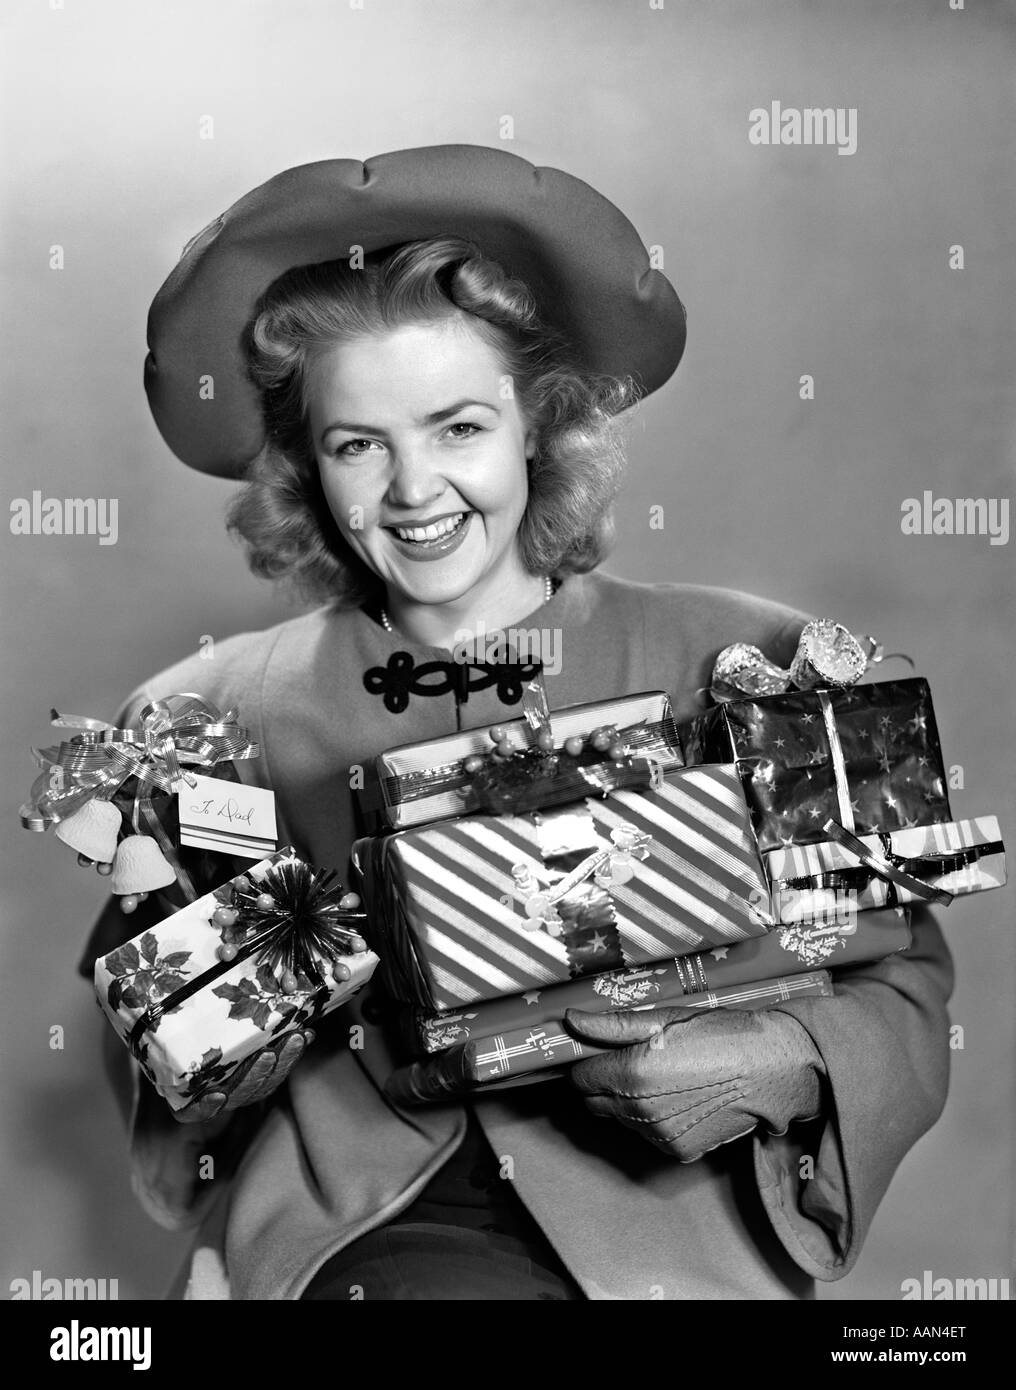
[
  {"x": 531, "y": 1052},
  {"x": 866, "y": 756},
  {"x": 927, "y": 862},
  {"x": 484, "y": 906},
  {"x": 848, "y": 939},
  {"x": 217, "y": 981},
  {"x": 436, "y": 779}
]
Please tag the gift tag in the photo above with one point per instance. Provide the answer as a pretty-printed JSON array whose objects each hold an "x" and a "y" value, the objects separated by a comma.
[{"x": 227, "y": 817}]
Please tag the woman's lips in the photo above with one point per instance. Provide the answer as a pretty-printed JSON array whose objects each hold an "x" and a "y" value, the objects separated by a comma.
[{"x": 432, "y": 550}]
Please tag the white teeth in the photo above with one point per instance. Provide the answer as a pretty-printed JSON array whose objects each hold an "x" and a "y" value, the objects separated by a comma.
[{"x": 430, "y": 533}]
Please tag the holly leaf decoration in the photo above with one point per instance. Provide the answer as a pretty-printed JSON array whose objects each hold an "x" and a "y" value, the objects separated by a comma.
[
  {"x": 176, "y": 958},
  {"x": 145, "y": 980},
  {"x": 114, "y": 994},
  {"x": 168, "y": 980},
  {"x": 124, "y": 960},
  {"x": 149, "y": 948},
  {"x": 133, "y": 998},
  {"x": 230, "y": 992},
  {"x": 208, "y": 1071},
  {"x": 266, "y": 979},
  {"x": 262, "y": 1015},
  {"x": 244, "y": 1008}
]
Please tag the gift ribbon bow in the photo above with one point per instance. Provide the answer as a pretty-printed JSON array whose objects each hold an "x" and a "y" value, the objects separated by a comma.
[
  {"x": 174, "y": 733},
  {"x": 827, "y": 654},
  {"x": 606, "y": 867},
  {"x": 887, "y": 866}
]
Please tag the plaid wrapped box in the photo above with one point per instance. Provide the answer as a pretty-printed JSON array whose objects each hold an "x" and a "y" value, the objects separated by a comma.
[
  {"x": 225, "y": 1012},
  {"x": 533, "y": 1051},
  {"x": 483, "y": 906},
  {"x": 427, "y": 781},
  {"x": 850, "y": 941},
  {"x": 958, "y": 857},
  {"x": 867, "y": 756}
]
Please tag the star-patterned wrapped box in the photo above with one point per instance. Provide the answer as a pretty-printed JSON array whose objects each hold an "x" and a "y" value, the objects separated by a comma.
[
  {"x": 483, "y": 906},
  {"x": 866, "y": 756},
  {"x": 428, "y": 781},
  {"x": 533, "y": 1051},
  {"x": 217, "y": 981},
  {"x": 848, "y": 940},
  {"x": 958, "y": 857}
]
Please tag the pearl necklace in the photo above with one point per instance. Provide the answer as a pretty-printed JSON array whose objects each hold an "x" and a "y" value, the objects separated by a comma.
[{"x": 548, "y": 594}]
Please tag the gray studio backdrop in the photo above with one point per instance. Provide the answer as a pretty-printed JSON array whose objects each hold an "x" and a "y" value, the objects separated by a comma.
[{"x": 792, "y": 261}]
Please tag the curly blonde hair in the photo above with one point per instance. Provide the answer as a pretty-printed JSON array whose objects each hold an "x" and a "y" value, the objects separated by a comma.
[{"x": 281, "y": 513}]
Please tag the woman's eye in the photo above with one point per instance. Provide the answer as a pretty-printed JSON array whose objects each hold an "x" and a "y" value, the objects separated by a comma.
[
  {"x": 464, "y": 425},
  {"x": 355, "y": 447}
]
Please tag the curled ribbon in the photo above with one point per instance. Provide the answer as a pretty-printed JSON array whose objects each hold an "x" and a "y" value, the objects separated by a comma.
[
  {"x": 887, "y": 867},
  {"x": 173, "y": 734},
  {"x": 827, "y": 654}
]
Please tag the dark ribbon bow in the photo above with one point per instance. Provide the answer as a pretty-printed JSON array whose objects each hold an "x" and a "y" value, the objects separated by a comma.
[{"x": 403, "y": 676}]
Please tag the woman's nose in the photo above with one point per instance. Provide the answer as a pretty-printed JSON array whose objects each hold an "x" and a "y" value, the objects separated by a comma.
[{"x": 415, "y": 479}]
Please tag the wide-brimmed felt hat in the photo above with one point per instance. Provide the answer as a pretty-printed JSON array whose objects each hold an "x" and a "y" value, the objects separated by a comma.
[{"x": 579, "y": 255}]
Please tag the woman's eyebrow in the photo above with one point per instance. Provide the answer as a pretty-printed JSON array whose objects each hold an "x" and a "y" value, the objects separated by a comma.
[{"x": 434, "y": 418}]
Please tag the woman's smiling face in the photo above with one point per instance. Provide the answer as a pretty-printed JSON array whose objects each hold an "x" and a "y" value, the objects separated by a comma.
[{"x": 412, "y": 435}]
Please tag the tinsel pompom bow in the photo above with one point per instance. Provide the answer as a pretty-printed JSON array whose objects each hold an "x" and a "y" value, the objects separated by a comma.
[
  {"x": 179, "y": 731},
  {"x": 293, "y": 918},
  {"x": 827, "y": 654}
]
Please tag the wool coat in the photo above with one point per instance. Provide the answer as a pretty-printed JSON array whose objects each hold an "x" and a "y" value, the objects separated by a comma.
[{"x": 329, "y": 1158}]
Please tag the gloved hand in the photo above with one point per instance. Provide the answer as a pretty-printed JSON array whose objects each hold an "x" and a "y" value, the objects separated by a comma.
[
  {"x": 689, "y": 1080},
  {"x": 254, "y": 1080}
]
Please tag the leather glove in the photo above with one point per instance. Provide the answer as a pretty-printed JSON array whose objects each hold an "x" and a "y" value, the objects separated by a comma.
[
  {"x": 689, "y": 1080},
  {"x": 254, "y": 1080}
]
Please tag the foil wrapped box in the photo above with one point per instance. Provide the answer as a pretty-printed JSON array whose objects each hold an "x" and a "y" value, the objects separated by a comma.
[
  {"x": 786, "y": 749},
  {"x": 427, "y": 781},
  {"x": 484, "y": 906},
  {"x": 810, "y": 881},
  {"x": 200, "y": 1042}
]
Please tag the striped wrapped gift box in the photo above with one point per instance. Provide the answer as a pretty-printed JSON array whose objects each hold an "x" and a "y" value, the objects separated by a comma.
[
  {"x": 810, "y": 881},
  {"x": 449, "y": 918}
]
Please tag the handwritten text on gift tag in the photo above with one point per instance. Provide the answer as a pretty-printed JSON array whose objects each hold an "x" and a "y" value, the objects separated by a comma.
[{"x": 228, "y": 817}]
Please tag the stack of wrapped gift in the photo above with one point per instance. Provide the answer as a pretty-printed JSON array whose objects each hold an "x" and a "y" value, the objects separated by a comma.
[
  {"x": 578, "y": 863},
  {"x": 844, "y": 782},
  {"x": 263, "y": 955}
]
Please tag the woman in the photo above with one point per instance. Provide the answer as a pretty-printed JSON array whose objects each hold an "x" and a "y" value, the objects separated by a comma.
[{"x": 417, "y": 366}]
